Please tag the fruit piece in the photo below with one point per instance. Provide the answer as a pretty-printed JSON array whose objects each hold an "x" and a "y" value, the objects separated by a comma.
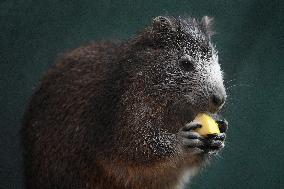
[{"x": 209, "y": 126}]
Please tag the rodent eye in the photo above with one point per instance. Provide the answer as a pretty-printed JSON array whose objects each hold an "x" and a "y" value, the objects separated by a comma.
[{"x": 186, "y": 64}]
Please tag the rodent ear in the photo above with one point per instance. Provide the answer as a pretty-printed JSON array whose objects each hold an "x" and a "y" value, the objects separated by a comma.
[
  {"x": 162, "y": 23},
  {"x": 206, "y": 24}
]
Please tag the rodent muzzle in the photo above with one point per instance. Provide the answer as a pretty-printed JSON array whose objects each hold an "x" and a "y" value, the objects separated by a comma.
[{"x": 217, "y": 100}]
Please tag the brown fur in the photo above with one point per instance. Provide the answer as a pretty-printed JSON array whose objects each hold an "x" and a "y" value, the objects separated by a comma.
[{"x": 86, "y": 123}]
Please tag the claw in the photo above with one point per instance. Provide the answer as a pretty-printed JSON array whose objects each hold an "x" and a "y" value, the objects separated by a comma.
[
  {"x": 221, "y": 136},
  {"x": 216, "y": 142},
  {"x": 210, "y": 136},
  {"x": 193, "y": 143},
  {"x": 191, "y": 126},
  {"x": 191, "y": 135}
]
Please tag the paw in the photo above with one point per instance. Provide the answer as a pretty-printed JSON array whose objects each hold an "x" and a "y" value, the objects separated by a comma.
[
  {"x": 222, "y": 123},
  {"x": 194, "y": 143},
  {"x": 191, "y": 141},
  {"x": 214, "y": 143}
]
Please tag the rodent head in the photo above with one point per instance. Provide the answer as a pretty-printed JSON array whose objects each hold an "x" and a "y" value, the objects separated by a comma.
[{"x": 183, "y": 64}]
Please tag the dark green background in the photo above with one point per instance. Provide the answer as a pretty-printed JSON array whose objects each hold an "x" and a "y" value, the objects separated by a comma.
[{"x": 250, "y": 42}]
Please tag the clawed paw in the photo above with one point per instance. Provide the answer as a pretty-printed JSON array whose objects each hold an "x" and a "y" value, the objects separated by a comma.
[
  {"x": 214, "y": 143},
  {"x": 222, "y": 123},
  {"x": 194, "y": 143},
  {"x": 191, "y": 140}
]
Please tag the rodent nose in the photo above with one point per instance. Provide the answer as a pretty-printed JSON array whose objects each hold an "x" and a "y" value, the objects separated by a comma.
[{"x": 217, "y": 100}]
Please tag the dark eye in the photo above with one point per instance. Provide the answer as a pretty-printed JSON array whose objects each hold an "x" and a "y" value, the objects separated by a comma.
[{"x": 186, "y": 64}]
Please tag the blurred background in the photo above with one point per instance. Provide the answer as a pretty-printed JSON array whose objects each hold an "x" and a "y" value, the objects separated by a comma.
[{"x": 250, "y": 41}]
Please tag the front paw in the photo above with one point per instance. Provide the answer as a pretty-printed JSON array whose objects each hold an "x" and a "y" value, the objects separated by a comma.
[
  {"x": 222, "y": 123},
  {"x": 214, "y": 143},
  {"x": 191, "y": 141},
  {"x": 194, "y": 143}
]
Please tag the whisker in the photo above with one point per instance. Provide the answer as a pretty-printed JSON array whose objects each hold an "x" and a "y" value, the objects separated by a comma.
[
  {"x": 230, "y": 81},
  {"x": 239, "y": 85}
]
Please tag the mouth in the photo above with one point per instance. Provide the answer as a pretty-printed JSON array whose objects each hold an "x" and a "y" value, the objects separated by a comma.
[
  {"x": 191, "y": 112},
  {"x": 186, "y": 110},
  {"x": 203, "y": 106}
]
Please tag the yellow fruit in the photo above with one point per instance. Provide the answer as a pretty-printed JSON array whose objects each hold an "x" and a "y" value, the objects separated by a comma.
[{"x": 209, "y": 126}]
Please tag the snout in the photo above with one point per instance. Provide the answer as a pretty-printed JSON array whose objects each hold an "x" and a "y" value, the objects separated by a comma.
[{"x": 216, "y": 101}]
